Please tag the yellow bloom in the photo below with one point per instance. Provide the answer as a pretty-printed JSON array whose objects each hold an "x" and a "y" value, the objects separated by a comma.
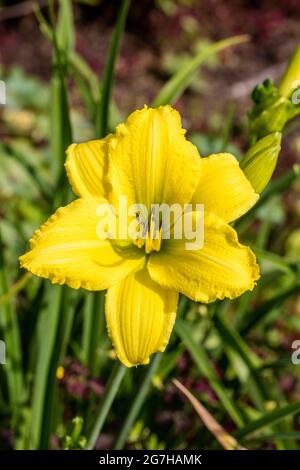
[{"x": 149, "y": 161}]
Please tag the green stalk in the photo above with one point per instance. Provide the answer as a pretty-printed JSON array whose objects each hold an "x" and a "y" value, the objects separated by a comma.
[
  {"x": 111, "y": 390},
  {"x": 61, "y": 130},
  {"x": 93, "y": 323},
  {"x": 102, "y": 118},
  {"x": 138, "y": 402},
  {"x": 61, "y": 136},
  {"x": 268, "y": 419},
  {"x": 10, "y": 326},
  {"x": 264, "y": 233},
  {"x": 14, "y": 289},
  {"x": 50, "y": 338},
  {"x": 55, "y": 321}
]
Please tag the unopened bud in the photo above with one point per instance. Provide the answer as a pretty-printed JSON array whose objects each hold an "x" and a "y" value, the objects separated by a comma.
[
  {"x": 271, "y": 111},
  {"x": 291, "y": 77},
  {"x": 260, "y": 161}
]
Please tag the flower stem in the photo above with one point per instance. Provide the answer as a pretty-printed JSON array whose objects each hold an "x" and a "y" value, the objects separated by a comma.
[
  {"x": 102, "y": 118},
  {"x": 137, "y": 403},
  {"x": 10, "y": 326},
  {"x": 93, "y": 325},
  {"x": 112, "y": 388},
  {"x": 14, "y": 289}
]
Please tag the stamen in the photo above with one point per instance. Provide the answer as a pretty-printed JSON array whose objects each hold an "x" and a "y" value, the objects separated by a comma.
[{"x": 152, "y": 238}]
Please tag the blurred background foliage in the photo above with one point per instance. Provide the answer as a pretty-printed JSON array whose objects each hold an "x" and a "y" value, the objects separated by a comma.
[{"x": 57, "y": 389}]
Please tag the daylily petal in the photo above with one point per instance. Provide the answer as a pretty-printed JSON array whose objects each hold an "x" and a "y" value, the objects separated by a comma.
[
  {"x": 86, "y": 167},
  {"x": 222, "y": 268},
  {"x": 67, "y": 250},
  {"x": 150, "y": 160},
  {"x": 140, "y": 316},
  {"x": 223, "y": 188}
]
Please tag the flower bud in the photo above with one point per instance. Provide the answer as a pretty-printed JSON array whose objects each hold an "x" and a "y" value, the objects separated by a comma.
[
  {"x": 291, "y": 78},
  {"x": 260, "y": 161},
  {"x": 271, "y": 110}
]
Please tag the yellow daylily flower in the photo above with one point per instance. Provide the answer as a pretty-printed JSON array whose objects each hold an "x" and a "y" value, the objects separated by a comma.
[{"x": 149, "y": 161}]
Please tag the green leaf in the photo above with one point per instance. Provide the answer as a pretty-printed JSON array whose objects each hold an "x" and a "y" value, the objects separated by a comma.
[
  {"x": 253, "y": 317},
  {"x": 31, "y": 170},
  {"x": 259, "y": 390},
  {"x": 268, "y": 419},
  {"x": 176, "y": 85},
  {"x": 52, "y": 327},
  {"x": 56, "y": 321},
  {"x": 93, "y": 326},
  {"x": 205, "y": 367},
  {"x": 137, "y": 403},
  {"x": 232, "y": 338},
  {"x": 276, "y": 261},
  {"x": 111, "y": 391},
  {"x": 10, "y": 327},
  {"x": 14, "y": 289}
]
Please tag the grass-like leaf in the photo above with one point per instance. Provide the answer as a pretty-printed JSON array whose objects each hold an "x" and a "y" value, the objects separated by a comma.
[
  {"x": 176, "y": 85},
  {"x": 10, "y": 327},
  {"x": 205, "y": 367},
  {"x": 268, "y": 419},
  {"x": 137, "y": 402},
  {"x": 111, "y": 390}
]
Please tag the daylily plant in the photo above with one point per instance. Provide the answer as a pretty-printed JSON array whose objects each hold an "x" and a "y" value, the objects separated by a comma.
[{"x": 149, "y": 161}]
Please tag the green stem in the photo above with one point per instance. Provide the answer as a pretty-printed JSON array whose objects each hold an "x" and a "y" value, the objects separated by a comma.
[
  {"x": 55, "y": 322},
  {"x": 93, "y": 321},
  {"x": 10, "y": 326},
  {"x": 138, "y": 402},
  {"x": 15, "y": 288},
  {"x": 111, "y": 390},
  {"x": 268, "y": 419},
  {"x": 51, "y": 339},
  {"x": 102, "y": 118}
]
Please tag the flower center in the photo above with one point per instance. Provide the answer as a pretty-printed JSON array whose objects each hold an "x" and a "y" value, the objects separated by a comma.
[{"x": 150, "y": 236}]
